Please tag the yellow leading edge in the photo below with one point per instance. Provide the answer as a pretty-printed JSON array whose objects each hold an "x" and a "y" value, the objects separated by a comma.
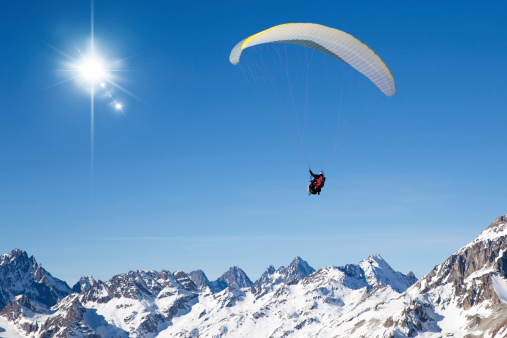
[{"x": 331, "y": 41}]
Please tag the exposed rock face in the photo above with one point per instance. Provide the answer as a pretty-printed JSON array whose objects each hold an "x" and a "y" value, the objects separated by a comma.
[
  {"x": 68, "y": 320},
  {"x": 235, "y": 278},
  {"x": 486, "y": 254},
  {"x": 22, "y": 275},
  {"x": 471, "y": 285},
  {"x": 16, "y": 311},
  {"x": 296, "y": 271},
  {"x": 199, "y": 278},
  {"x": 147, "y": 301},
  {"x": 378, "y": 272},
  {"x": 316, "y": 305},
  {"x": 185, "y": 281},
  {"x": 84, "y": 284}
]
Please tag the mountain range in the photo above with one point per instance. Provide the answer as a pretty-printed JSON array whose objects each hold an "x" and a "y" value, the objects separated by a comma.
[{"x": 465, "y": 296}]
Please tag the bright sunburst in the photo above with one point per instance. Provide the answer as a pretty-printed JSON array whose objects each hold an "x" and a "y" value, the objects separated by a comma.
[
  {"x": 92, "y": 70},
  {"x": 94, "y": 73}
]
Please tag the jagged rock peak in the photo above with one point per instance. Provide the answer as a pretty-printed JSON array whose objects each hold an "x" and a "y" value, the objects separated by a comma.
[
  {"x": 235, "y": 278},
  {"x": 375, "y": 261},
  {"x": 14, "y": 255},
  {"x": 199, "y": 278},
  {"x": 20, "y": 275},
  {"x": 378, "y": 272},
  {"x": 185, "y": 280},
  {"x": 376, "y": 258},
  {"x": 84, "y": 284},
  {"x": 296, "y": 271},
  {"x": 270, "y": 269},
  {"x": 494, "y": 231},
  {"x": 500, "y": 220},
  {"x": 299, "y": 261},
  {"x": 299, "y": 269},
  {"x": 478, "y": 259}
]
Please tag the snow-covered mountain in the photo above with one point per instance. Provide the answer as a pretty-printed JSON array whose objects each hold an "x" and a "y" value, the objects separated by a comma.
[
  {"x": 150, "y": 303},
  {"x": 20, "y": 275},
  {"x": 233, "y": 278},
  {"x": 297, "y": 270},
  {"x": 464, "y": 296},
  {"x": 378, "y": 272}
]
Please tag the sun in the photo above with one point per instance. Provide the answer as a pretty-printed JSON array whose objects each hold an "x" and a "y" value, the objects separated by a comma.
[{"x": 92, "y": 71}]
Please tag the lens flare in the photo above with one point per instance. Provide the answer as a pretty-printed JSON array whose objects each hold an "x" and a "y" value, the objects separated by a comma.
[{"x": 92, "y": 70}]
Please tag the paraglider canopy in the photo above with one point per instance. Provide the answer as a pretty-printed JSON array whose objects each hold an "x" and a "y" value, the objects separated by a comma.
[{"x": 328, "y": 40}]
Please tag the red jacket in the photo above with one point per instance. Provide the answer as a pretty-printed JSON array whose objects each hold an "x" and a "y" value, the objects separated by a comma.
[{"x": 319, "y": 183}]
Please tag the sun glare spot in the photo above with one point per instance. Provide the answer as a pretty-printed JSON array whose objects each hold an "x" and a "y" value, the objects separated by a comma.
[
  {"x": 92, "y": 70},
  {"x": 118, "y": 106}
]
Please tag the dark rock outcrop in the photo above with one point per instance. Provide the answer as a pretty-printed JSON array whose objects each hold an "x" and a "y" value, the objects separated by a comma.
[
  {"x": 296, "y": 271},
  {"x": 22, "y": 275},
  {"x": 235, "y": 278},
  {"x": 199, "y": 278}
]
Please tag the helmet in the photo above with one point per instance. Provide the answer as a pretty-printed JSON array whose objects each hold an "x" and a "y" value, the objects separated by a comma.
[{"x": 321, "y": 173}]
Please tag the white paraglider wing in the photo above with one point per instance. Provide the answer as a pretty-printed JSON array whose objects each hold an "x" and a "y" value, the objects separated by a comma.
[{"x": 328, "y": 40}]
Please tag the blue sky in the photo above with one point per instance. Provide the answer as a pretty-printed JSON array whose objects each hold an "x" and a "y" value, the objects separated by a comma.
[{"x": 200, "y": 174}]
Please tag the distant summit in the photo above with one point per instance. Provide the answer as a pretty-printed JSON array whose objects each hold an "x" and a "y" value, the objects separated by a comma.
[
  {"x": 378, "y": 272},
  {"x": 22, "y": 275},
  {"x": 296, "y": 271},
  {"x": 199, "y": 278},
  {"x": 235, "y": 278}
]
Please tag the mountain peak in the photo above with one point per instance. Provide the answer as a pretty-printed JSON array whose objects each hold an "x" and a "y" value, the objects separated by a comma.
[
  {"x": 271, "y": 269},
  {"x": 494, "y": 231},
  {"x": 297, "y": 261},
  {"x": 14, "y": 255},
  {"x": 296, "y": 271},
  {"x": 299, "y": 268},
  {"x": 484, "y": 255},
  {"x": 18, "y": 252},
  {"x": 84, "y": 283},
  {"x": 378, "y": 272},
  {"x": 185, "y": 280},
  {"x": 21, "y": 275},
  {"x": 499, "y": 221},
  {"x": 235, "y": 278},
  {"x": 199, "y": 278},
  {"x": 376, "y": 259}
]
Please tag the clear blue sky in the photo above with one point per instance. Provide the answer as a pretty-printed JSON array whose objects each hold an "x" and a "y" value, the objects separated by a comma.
[{"x": 199, "y": 174}]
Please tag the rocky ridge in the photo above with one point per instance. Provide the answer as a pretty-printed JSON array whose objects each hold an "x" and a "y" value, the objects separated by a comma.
[
  {"x": 470, "y": 285},
  {"x": 144, "y": 303},
  {"x": 22, "y": 275},
  {"x": 296, "y": 271},
  {"x": 464, "y": 296}
]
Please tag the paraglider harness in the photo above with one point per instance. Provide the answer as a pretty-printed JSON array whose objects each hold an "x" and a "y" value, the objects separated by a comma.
[{"x": 316, "y": 183}]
